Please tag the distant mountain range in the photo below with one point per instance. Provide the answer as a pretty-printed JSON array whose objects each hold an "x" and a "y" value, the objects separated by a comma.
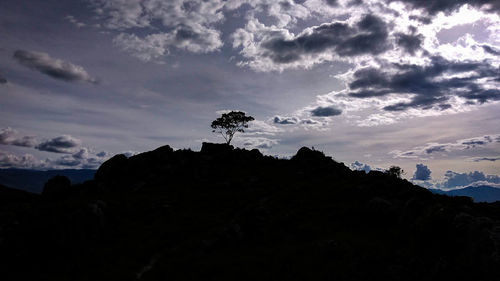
[
  {"x": 482, "y": 193},
  {"x": 33, "y": 180}
]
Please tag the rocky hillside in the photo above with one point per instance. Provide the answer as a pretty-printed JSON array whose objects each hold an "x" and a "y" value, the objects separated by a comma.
[{"x": 233, "y": 214}]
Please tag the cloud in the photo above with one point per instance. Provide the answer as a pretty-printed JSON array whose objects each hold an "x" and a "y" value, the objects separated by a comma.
[
  {"x": 61, "y": 144},
  {"x": 259, "y": 142},
  {"x": 78, "y": 160},
  {"x": 409, "y": 42},
  {"x": 453, "y": 180},
  {"x": 102, "y": 154},
  {"x": 432, "y": 86},
  {"x": 3, "y": 80},
  {"x": 74, "y": 21},
  {"x": 162, "y": 25},
  {"x": 75, "y": 156},
  {"x": 491, "y": 50},
  {"x": 271, "y": 48},
  {"x": 357, "y": 166},
  {"x": 8, "y": 136},
  {"x": 195, "y": 39},
  {"x": 422, "y": 173},
  {"x": 367, "y": 37},
  {"x": 491, "y": 159},
  {"x": 325, "y": 111},
  {"x": 416, "y": 76},
  {"x": 83, "y": 153},
  {"x": 84, "y": 158},
  {"x": 433, "y": 7},
  {"x": 53, "y": 67},
  {"x": 459, "y": 145},
  {"x": 26, "y": 161},
  {"x": 456, "y": 180},
  {"x": 130, "y": 153},
  {"x": 258, "y": 127},
  {"x": 285, "y": 120},
  {"x": 332, "y": 3},
  {"x": 66, "y": 161}
]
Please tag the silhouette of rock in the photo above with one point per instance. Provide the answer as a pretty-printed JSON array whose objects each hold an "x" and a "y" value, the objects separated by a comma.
[
  {"x": 113, "y": 168},
  {"x": 308, "y": 155},
  {"x": 215, "y": 148},
  {"x": 58, "y": 185},
  {"x": 227, "y": 213}
]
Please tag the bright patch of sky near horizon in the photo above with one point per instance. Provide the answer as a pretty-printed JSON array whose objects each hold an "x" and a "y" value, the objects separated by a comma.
[{"x": 378, "y": 81}]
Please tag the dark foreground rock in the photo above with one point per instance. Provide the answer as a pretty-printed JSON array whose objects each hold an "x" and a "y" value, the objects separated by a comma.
[{"x": 233, "y": 214}]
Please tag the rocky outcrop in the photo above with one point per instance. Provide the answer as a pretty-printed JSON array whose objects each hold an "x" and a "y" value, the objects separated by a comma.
[
  {"x": 227, "y": 213},
  {"x": 57, "y": 186}
]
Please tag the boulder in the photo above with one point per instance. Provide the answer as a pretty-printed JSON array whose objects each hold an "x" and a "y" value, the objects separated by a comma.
[
  {"x": 215, "y": 148},
  {"x": 57, "y": 185},
  {"x": 308, "y": 155},
  {"x": 112, "y": 168}
]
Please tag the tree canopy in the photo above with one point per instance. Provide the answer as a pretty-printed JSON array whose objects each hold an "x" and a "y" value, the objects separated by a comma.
[
  {"x": 395, "y": 171},
  {"x": 229, "y": 123}
]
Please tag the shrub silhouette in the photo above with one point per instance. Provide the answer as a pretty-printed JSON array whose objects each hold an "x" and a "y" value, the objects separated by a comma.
[
  {"x": 395, "y": 171},
  {"x": 229, "y": 123}
]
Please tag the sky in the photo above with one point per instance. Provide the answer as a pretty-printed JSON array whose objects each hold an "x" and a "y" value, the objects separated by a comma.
[{"x": 380, "y": 82}]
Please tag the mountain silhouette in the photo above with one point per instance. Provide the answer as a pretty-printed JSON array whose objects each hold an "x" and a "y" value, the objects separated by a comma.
[
  {"x": 481, "y": 193},
  {"x": 33, "y": 180},
  {"x": 226, "y": 213}
]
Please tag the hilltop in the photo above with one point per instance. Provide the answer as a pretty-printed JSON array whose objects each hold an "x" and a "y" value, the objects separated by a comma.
[{"x": 226, "y": 213}]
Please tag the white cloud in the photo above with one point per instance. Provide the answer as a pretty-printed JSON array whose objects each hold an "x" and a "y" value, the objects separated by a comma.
[
  {"x": 187, "y": 25},
  {"x": 261, "y": 143},
  {"x": 25, "y": 161},
  {"x": 430, "y": 149}
]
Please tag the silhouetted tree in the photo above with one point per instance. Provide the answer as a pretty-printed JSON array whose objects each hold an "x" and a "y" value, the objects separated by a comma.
[
  {"x": 395, "y": 171},
  {"x": 230, "y": 123}
]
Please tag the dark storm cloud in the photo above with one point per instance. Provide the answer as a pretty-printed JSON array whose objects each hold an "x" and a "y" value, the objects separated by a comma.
[
  {"x": 490, "y": 159},
  {"x": 424, "y": 20},
  {"x": 325, "y": 111},
  {"x": 409, "y": 42},
  {"x": 473, "y": 143},
  {"x": 422, "y": 173},
  {"x": 490, "y": 50},
  {"x": 432, "y": 85},
  {"x": 3, "y": 80},
  {"x": 52, "y": 67},
  {"x": 369, "y": 36},
  {"x": 332, "y": 3},
  {"x": 62, "y": 144},
  {"x": 435, "y": 6}
]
